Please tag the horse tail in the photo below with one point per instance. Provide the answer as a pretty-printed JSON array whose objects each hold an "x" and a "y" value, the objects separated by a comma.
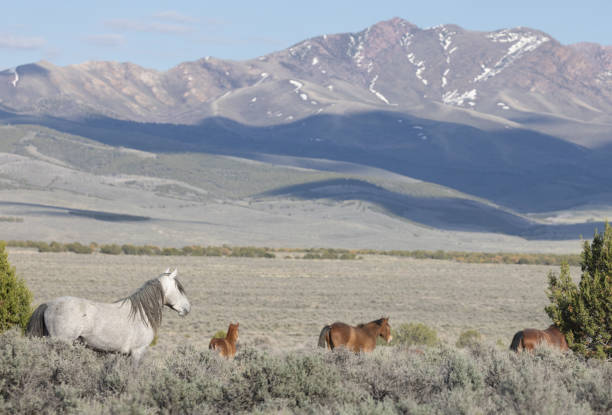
[
  {"x": 36, "y": 325},
  {"x": 517, "y": 340},
  {"x": 325, "y": 338}
]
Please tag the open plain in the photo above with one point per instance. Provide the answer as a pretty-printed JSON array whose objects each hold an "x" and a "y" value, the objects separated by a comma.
[{"x": 282, "y": 303}]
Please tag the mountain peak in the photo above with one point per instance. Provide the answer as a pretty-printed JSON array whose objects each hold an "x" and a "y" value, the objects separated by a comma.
[{"x": 498, "y": 76}]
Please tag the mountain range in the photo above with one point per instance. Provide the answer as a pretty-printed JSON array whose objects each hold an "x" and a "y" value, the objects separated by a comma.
[{"x": 511, "y": 117}]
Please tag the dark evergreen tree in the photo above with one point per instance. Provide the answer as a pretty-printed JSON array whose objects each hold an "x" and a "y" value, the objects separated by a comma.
[
  {"x": 583, "y": 312},
  {"x": 15, "y": 297}
]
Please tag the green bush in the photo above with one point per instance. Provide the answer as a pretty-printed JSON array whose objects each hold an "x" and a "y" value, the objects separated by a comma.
[
  {"x": 220, "y": 334},
  {"x": 110, "y": 249},
  {"x": 468, "y": 338},
  {"x": 584, "y": 312},
  {"x": 78, "y": 248},
  {"x": 409, "y": 334},
  {"x": 15, "y": 297},
  {"x": 129, "y": 249},
  {"x": 171, "y": 252}
]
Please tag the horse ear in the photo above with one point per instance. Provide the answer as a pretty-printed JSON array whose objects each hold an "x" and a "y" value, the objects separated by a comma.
[
  {"x": 173, "y": 273},
  {"x": 167, "y": 271}
]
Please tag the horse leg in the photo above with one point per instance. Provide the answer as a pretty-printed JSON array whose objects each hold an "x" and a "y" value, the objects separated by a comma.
[{"x": 137, "y": 354}]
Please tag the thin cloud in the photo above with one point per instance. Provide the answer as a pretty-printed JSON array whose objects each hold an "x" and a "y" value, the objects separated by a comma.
[
  {"x": 21, "y": 42},
  {"x": 152, "y": 27},
  {"x": 108, "y": 39},
  {"x": 174, "y": 16}
]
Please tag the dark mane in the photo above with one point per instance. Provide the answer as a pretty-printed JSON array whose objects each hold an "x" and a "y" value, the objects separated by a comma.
[
  {"x": 379, "y": 322},
  {"x": 148, "y": 302}
]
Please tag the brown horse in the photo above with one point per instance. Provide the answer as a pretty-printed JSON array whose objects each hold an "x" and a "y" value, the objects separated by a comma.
[
  {"x": 358, "y": 339},
  {"x": 528, "y": 339},
  {"x": 226, "y": 347}
]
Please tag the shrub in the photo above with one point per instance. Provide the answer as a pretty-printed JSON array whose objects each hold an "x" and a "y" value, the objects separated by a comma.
[
  {"x": 468, "y": 338},
  {"x": 45, "y": 375},
  {"x": 129, "y": 249},
  {"x": 584, "y": 312},
  {"x": 111, "y": 249},
  {"x": 171, "y": 251},
  {"x": 55, "y": 246},
  {"x": 79, "y": 248},
  {"x": 409, "y": 334},
  {"x": 15, "y": 297}
]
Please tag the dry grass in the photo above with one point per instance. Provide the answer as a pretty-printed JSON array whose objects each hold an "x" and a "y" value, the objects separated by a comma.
[{"x": 282, "y": 304}]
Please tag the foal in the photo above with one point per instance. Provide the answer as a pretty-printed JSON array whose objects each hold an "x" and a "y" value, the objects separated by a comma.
[{"x": 226, "y": 347}]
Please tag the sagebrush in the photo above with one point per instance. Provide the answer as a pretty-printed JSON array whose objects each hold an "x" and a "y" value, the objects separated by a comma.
[{"x": 49, "y": 376}]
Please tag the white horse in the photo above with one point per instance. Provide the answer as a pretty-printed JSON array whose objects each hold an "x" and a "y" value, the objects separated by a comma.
[{"x": 128, "y": 325}]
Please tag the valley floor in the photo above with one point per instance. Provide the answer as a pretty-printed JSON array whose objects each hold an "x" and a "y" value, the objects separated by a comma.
[{"x": 283, "y": 303}]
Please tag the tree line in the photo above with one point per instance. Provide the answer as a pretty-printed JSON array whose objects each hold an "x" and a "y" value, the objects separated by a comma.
[{"x": 307, "y": 253}]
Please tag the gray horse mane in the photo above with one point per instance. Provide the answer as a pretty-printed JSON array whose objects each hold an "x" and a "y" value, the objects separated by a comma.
[{"x": 147, "y": 302}]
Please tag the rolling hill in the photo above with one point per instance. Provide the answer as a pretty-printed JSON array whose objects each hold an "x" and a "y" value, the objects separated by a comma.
[{"x": 439, "y": 129}]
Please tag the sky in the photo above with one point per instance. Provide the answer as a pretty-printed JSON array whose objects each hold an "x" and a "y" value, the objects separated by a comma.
[{"x": 162, "y": 34}]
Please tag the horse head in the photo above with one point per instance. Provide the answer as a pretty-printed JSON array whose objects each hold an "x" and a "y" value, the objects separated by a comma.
[
  {"x": 232, "y": 332},
  {"x": 174, "y": 294},
  {"x": 385, "y": 329}
]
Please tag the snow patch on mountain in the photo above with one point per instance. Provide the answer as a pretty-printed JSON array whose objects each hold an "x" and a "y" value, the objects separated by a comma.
[
  {"x": 455, "y": 98},
  {"x": 444, "y": 80},
  {"x": 503, "y": 105},
  {"x": 420, "y": 132},
  {"x": 301, "y": 50},
  {"x": 375, "y": 92},
  {"x": 298, "y": 85},
  {"x": 446, "y": 39},
  {"x": 420, "y": 65},
  {"x": 522, "y": 43},
  {"x": 298, "y": 89},
  {"x": 356, "y": 47},
  {"x": 262, "y": 77},
  {"x": 406, "y": 39},
  {"x": 16, "y": 79}
]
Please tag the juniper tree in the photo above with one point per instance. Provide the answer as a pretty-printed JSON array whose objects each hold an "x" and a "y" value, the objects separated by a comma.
[
  {"x": 15, "y": 297},
  {"x": 583, "y": 312}
]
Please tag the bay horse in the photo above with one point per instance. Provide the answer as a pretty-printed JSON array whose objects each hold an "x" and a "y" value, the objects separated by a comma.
[
  {"x": 128, "y": 325},
  {"x": 361, "y": 338},
  {"x": 528, "y": 339},
  {"x": 226, "y": 347}
]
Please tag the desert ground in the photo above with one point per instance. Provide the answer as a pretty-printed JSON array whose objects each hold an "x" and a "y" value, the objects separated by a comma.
[{"x": 283, "y": 303}]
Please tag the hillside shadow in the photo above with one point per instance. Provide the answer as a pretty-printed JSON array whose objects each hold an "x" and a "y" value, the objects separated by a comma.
[
  {"x": 520, "y": 169},
  {"x": 445, "y": 213},
  {"x": 50, "y": 210}
]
